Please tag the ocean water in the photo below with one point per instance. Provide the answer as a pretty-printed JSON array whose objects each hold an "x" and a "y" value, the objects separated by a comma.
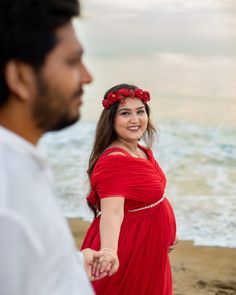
[
  {"x": 184, "y": 53},
  {"x": 199, "y": 162}
]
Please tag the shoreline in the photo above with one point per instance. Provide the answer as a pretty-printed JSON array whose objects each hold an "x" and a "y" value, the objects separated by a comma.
[{"x": 196, "y": 269}]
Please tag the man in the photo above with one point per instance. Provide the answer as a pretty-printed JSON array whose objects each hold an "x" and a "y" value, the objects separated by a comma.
[{"x": 41, "y": 85}]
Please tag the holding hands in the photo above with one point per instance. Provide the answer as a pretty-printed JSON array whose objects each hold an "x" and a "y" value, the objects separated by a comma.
[
  {"x": 108, "y": 263},
  {"x": 99, "y": 264}
]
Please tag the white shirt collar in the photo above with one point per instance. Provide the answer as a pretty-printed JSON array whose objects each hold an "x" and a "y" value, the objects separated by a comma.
[{"x": 23, "y": 146}]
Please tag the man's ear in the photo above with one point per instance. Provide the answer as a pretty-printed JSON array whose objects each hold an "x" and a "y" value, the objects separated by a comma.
[{"x": 20, "y": 78}]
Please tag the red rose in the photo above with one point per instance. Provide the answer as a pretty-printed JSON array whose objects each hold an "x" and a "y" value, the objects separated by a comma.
[
  {"x": 111, "y": 97},
  {"x": 138, "y": 93},
  {"x": 124, "y": 92},
  {"x": 131, "y": 93},
  {"x": 106, "y": 103},
  {"x": 146, "y": 96}
]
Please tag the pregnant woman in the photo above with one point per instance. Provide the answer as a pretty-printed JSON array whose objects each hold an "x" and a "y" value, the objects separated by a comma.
[{"x": 134, "y": 222}]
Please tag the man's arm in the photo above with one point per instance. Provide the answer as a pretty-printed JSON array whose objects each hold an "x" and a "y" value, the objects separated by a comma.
[{"x": 20, "y": 255}]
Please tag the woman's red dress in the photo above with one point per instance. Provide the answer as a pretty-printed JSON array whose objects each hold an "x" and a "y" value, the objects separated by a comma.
[{"x": 145, "y": 235}]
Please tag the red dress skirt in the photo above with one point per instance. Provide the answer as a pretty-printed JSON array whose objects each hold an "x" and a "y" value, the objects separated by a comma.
[{"x": 145, "y": 235}]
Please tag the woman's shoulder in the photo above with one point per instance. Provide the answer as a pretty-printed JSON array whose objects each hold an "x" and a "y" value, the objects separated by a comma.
[
  {"x": 113, "y": 158},
  {"x": 108, "y": 153},
  {"x": 114, "y": 151},
  {"x": 111, "y": 161}
]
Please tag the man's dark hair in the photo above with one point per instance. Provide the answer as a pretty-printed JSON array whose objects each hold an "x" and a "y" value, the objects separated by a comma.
[{"x": 27, "y": 31}]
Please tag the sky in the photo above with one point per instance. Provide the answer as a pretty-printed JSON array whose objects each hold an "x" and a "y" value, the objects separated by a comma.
[
  {"x": 182, "y": 50},
  {"x": 150, "y": 26}
]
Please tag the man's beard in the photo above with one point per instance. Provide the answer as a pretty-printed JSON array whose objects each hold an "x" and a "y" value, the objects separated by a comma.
[{"x": 51, "y": 110}]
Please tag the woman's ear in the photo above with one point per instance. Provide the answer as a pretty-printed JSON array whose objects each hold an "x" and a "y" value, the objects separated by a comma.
[{"x": 20, "y": 79}]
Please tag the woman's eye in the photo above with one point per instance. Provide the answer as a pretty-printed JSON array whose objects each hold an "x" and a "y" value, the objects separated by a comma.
[
  {"x": 141, "y": 112},
  {"x": 125, "y": 113}
]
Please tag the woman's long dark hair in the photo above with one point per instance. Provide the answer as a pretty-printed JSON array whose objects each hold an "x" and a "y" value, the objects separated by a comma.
[{"x": 105, "y": 133}]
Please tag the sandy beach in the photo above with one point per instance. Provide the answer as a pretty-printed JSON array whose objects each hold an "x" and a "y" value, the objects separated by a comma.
[{"x": 196, "y": 269}]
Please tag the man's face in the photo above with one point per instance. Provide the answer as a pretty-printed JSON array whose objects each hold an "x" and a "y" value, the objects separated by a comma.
[{"x": 59, "y": 83}]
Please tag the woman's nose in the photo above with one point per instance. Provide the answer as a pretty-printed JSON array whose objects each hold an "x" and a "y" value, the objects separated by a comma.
[{"x": 134, "y": 118}]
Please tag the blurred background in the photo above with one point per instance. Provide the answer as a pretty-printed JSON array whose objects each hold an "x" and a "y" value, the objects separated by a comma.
[{"x": 184, "y": 53}]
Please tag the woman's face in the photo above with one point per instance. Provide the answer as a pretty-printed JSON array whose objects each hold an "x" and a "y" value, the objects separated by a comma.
[{"x": 131, "y": 119}]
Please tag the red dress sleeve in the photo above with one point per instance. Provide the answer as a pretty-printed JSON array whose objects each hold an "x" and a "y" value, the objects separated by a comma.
[{"x": 109, "y": 176}]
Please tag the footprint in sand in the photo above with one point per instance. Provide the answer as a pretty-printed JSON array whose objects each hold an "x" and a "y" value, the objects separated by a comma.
[{"x": 220, "y": 288}]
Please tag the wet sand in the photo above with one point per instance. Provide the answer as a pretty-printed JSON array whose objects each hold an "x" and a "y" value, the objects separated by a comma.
[{"x": 196, "y": 269}]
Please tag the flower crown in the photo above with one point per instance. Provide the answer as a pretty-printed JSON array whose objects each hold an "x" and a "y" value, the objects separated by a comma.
[{"x": 122, "y": 93}]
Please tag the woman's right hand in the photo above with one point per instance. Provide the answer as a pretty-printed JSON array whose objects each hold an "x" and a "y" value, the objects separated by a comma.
[{"x": 108, "y": 263}]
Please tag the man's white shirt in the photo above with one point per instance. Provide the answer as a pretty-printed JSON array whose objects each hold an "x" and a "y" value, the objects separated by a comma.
[{"x": 37, "y": 251}]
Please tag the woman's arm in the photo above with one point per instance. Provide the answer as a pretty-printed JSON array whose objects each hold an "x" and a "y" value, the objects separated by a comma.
[{"x": 112, "y": 213}]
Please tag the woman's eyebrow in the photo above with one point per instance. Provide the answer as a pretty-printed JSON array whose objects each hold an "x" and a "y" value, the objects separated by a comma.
[{"x": 128, "y": 109}]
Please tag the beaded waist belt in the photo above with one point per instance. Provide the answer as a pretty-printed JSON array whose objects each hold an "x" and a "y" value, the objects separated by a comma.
[{"x": 147, "y": 207}]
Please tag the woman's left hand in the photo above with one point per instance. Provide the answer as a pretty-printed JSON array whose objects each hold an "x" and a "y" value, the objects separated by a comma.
[{"x": 172, "y": 247}]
